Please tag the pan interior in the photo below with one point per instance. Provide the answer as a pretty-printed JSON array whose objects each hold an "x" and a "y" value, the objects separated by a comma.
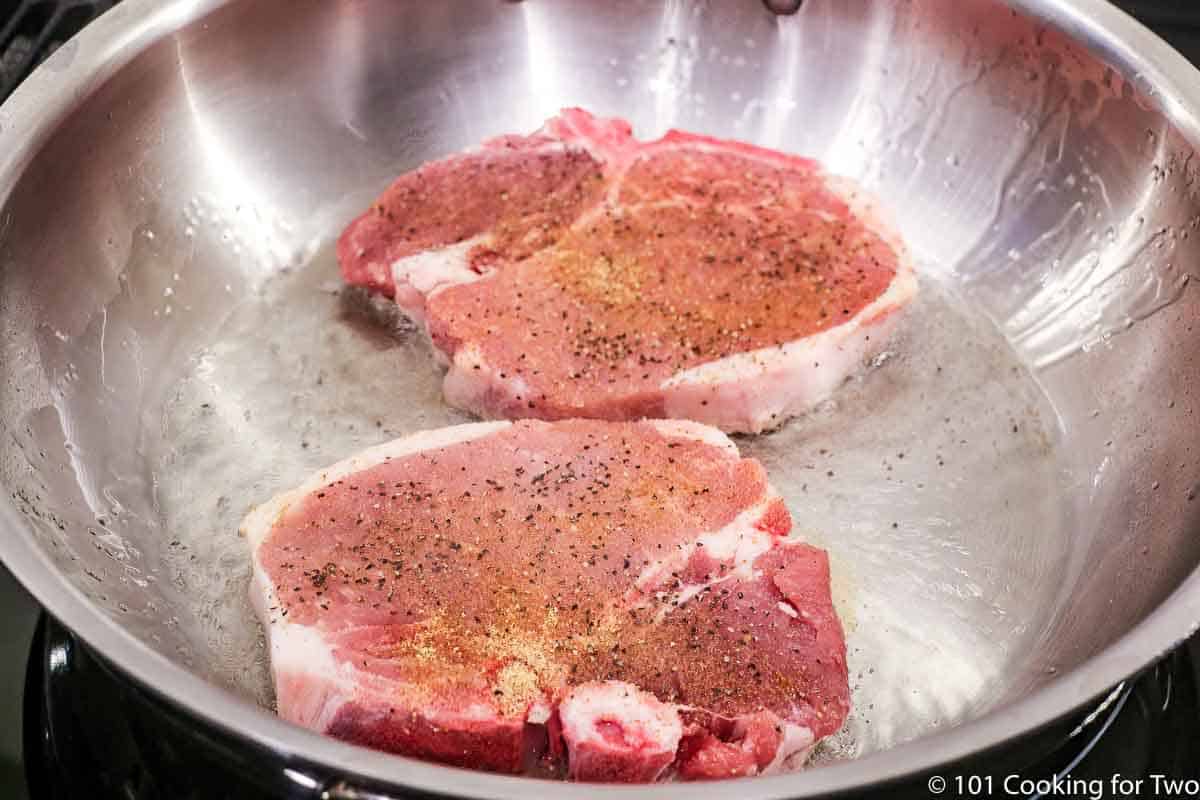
[
  {"x": 177, "y": 346},
  {"x": 897, "y": 477}
]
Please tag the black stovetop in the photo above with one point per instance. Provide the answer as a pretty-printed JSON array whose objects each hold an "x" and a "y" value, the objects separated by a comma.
[
  {"x": 111, "y": 739},
  {"x": 18, "y": 618}
]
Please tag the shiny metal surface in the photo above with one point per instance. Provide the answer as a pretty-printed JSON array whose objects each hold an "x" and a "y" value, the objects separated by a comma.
[{"x": 1009, "y": 500}]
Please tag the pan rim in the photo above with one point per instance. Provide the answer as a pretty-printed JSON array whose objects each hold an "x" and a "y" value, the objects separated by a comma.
[{"x": 39, "y": 105}]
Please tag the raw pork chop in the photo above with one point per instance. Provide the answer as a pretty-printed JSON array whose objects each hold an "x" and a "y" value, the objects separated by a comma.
[
  {"x": 619, "y": 598},
  {"x": 578, "y": 272}
]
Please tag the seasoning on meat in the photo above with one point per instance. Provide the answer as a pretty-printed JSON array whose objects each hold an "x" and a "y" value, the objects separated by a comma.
[
  {"x": 579, "y": 272},
  {"x": 628, "y": 591}
]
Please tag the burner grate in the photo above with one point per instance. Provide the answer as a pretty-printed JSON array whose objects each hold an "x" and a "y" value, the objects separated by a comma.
[{"x": 30, "y": 30}]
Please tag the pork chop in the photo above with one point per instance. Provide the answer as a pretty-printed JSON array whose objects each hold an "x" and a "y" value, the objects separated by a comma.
[
  {"x": 579, "y": 272},
  {"x": 622, "y": 601}
]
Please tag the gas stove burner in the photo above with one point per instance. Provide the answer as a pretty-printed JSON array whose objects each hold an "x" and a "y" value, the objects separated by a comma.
[{"x": 34, "y": 29}]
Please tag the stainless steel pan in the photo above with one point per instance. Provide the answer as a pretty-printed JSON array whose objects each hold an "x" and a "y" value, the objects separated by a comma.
[{"x": 1009, "y": 498}]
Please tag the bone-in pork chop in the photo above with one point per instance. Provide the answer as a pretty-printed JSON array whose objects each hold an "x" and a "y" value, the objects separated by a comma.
[
  {"x": 622, "y": 600},
  {"x": 579, "y": 272}
]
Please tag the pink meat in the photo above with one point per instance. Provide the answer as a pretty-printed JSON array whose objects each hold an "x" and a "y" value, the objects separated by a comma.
[
  {"x": 623, "y": 601},
  {"x": 579, "y": 272}
]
